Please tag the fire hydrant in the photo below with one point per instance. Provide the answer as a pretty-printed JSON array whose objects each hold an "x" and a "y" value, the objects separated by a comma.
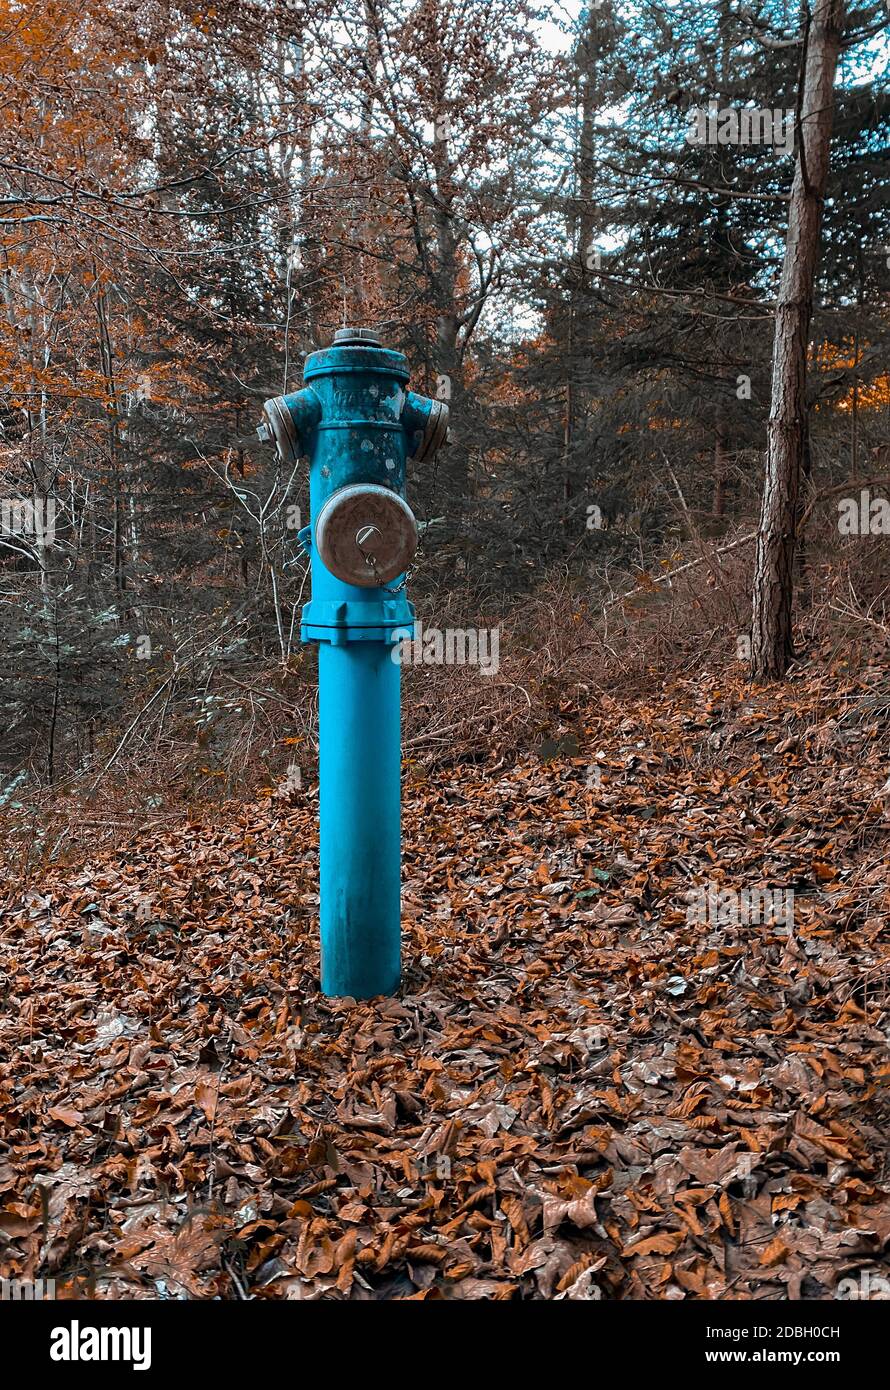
[{"x": 358, "y": 425}]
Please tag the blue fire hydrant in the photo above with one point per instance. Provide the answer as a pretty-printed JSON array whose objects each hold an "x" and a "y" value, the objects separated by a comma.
[{"x": 358, "y": 424}]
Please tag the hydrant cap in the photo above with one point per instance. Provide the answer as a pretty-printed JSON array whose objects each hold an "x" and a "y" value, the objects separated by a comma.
[
  {"x": 356, "y": 350},
  {"x": 356, "y": 337},
  {"x": 366, "y": 535}
]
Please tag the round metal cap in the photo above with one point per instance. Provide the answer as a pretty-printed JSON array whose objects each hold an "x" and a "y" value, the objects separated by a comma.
[
  {"x": 281, "y": 429},
  {"x": 435, "y": 434},
  {"x": 356, "y": 337},
  {"x": 366, "y": 535}
]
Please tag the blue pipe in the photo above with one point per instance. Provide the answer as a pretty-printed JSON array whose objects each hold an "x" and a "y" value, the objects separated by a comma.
[{"x": 360, "y": 818}]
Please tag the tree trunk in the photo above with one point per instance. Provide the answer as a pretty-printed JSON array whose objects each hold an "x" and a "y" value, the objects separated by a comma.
[
  {"x": 453, "y": 471},
  {"x": 787, "y": 444},
  {"x": 718, "y": 506},
  {"x": 583, "y": 224}
]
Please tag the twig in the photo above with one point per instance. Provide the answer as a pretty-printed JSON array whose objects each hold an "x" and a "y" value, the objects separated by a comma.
[
  {"x": 266, "y": 694},
  {"x": 690, "y": 564},
  {"x": 434, "y": 733}
]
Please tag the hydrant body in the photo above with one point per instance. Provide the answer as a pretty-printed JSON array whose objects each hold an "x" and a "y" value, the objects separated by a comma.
[{"x": 358, "y": 425}]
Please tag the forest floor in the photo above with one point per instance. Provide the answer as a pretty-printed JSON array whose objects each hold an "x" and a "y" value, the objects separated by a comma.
[{"x": 586, "y": 1087}]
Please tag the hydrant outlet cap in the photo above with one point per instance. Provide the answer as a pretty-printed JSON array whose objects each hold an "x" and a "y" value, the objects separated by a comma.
[
  {"x": 279, "y": 428},
  {"x": 356, "y": 337},
  {"x": 366, "y": 535}
]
